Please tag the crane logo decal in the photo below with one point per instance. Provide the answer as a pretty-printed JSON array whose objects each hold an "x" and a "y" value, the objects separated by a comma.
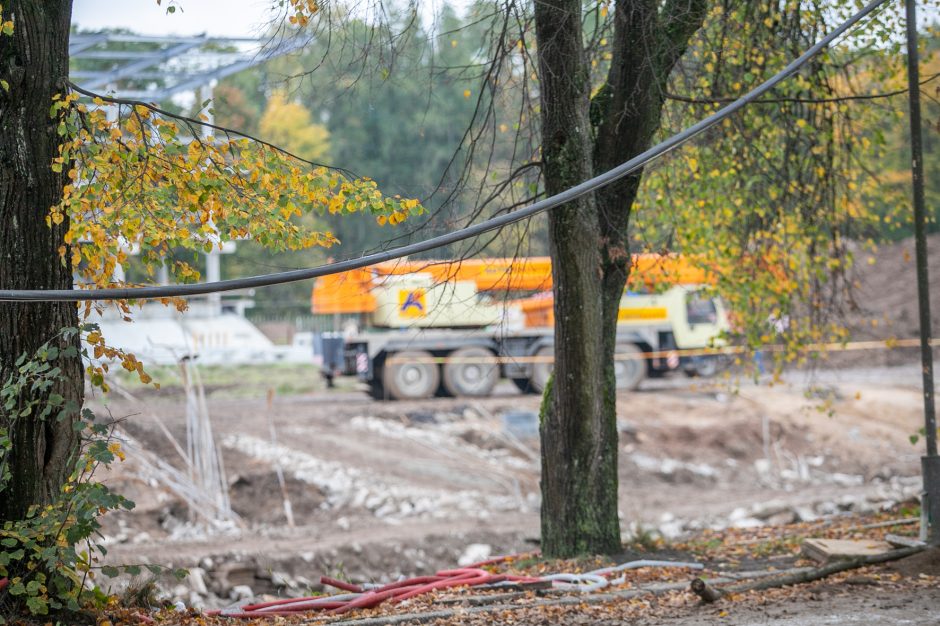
[{"x": 412, "y": 303}]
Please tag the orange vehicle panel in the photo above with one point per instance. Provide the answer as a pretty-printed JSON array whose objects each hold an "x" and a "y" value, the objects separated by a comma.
[{"x": 350, "y": 292}]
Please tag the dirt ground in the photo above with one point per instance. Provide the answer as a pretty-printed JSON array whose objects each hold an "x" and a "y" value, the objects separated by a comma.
[{"x": 380, "y": 490}]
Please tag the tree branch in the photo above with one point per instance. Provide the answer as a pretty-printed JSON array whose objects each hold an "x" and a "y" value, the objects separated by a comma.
[
  {"x": 710, "y": 594},
  {"x": 190, "y": 121},
  {"x": 681, "y": 20}
]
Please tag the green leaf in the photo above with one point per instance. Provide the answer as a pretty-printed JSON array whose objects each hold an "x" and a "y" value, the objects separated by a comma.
[
  {"x": 110, "y": 571},
  {"x": 37, "y": 605},
  {"x": 914, "y": 439}
]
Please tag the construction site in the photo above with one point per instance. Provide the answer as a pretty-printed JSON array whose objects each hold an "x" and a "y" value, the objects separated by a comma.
[
  {"x": 261, "y": 479},
  {"x": 299, "y": 347}
]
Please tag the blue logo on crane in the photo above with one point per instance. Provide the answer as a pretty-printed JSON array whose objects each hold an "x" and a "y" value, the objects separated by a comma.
[{"x": 413, "y": 299}]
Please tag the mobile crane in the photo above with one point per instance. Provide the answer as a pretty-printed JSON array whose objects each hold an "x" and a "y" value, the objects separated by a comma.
[{"x": 425, "y": 328}]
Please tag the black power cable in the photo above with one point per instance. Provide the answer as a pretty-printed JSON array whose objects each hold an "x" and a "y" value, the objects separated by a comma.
[{"x": 634, "y": 164}]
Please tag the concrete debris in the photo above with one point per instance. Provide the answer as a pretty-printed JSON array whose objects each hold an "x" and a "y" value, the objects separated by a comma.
[
  {"x": 345, "y": 486},
  {"x": 241, "y": 592},
  {"x": 825, "y": 550},
  {"x": 197, "y": 580},
  {"x": 669, "y": 467},
  {"x": 475, "y": 553}
]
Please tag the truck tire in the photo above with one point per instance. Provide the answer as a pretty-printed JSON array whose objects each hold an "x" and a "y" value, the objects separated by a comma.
[
  {"x": 704, "y": 366},
  {"x": 542, "y": 370},
  {"x": 470, "y": 379},
  {"x": 630, "y": 372},
  {"x": 413, "y": 378}
]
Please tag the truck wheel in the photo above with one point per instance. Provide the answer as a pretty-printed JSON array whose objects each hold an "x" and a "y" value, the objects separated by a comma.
[
  {"x": 470, "y": 379},
  {"x": 542, "y": 370},
  {"x": 707, "y": 367},
  {"x": 411, "y": 375},
  {"x": 630, "y": 371},
  {"x": 704, "y": 366}
]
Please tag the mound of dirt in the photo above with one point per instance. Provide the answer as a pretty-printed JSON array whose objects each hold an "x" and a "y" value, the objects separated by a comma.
[
  {"x": 886, "y": 301},
  {"x": 258, "y": 498}
]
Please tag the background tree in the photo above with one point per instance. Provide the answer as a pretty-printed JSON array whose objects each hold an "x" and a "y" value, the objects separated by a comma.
[{"x": 290, "y": 126}]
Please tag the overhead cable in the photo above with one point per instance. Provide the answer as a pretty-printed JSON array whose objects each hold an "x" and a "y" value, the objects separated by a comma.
[{"x": 588, "y": 186}]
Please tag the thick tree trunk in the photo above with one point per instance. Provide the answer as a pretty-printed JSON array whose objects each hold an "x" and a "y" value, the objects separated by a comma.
[
  {"x": 590, "y": 249},
  {"x": 34, "y": 61},
  {"x": 578, "y": 428}
]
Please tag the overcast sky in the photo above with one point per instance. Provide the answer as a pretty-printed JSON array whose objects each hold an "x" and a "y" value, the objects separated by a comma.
[
  {"x": 219, "y": 18},
  {"x": 228, "y": 18},
  {"x": 223, "y": 18}
]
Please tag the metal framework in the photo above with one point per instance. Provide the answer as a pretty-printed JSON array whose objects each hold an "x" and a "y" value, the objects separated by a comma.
[{"x": 155, "y": 68}]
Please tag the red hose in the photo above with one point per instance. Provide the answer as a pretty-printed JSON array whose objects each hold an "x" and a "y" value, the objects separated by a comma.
[
  {"x": 420, "y": 580},
  {"x": 340, "y": 584},
  {"x": 365, "y": 601},
  {"x": 294, "y": 604},
  {"x": 396, "y": 592},
  {"x": 451, "y": 578}
]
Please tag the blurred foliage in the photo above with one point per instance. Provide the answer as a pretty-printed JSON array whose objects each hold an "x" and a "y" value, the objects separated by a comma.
[{"x": 778, "y": 199}]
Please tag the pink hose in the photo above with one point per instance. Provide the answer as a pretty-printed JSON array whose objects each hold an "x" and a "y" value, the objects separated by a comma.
[{"x": 399, "y": 591}]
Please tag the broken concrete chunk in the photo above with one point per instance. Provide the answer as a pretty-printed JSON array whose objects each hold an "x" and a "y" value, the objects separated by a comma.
[{"x": 241, "y": 592}]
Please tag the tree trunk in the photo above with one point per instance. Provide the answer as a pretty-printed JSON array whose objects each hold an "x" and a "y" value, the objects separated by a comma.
[
  {"x": 34, "y": 61},
  {"x": 578, "y": 428},
  {"x": 590, "y": 250}
]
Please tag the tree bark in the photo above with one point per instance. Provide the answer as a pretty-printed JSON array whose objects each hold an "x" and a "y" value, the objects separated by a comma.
[
  {"x": 578, "y": 428},
  {"x": 34, "y": 62},
  {"x": 589, "y": 247}
]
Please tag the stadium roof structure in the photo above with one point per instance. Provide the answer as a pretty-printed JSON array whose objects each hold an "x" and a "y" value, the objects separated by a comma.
[{"x": 155, "y": 68}]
